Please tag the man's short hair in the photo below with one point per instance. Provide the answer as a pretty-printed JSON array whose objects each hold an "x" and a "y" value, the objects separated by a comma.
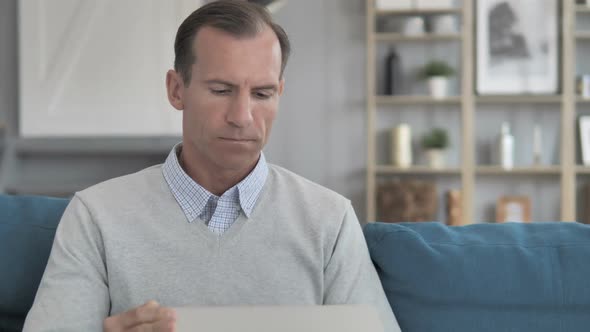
[{"x": 238, "y": 18}]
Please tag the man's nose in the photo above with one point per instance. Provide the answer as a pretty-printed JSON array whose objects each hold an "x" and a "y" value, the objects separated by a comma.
[{"x": 240, "y": 113}]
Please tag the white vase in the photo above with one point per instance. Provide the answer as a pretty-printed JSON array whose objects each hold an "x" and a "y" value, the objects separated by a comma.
[
  {"x": 437, "y": 85},
  {"x": 444, "y": 24},
  {"x": 436, "y": 158},
  {"x": 413, "y": 26},
  {"x": 401, "y": 146}
]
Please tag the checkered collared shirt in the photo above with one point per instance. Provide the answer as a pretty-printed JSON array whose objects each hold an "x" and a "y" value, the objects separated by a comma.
[{"x": 218, "y": 212}]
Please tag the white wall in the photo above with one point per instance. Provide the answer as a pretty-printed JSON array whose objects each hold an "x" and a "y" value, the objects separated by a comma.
[{"x": 320, "y": 131}]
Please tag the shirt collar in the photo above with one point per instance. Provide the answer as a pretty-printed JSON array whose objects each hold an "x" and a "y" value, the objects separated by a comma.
[{"x": 193, "y": 198}]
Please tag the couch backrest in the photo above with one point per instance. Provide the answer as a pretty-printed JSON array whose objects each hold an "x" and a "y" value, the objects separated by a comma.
[
  {"x": 484, "y": 277},
  {"x": 27, "y": 228}
]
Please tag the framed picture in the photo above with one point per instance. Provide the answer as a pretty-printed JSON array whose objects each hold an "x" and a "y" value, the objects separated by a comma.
[
  {"x": 517, "y": 44},
  {"x": 513, "y": 209},
  {"x": 584, "y": 124}
]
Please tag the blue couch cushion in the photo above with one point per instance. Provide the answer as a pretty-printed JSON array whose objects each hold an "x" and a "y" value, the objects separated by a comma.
[
  {"x": 27, "y": 228},
  {"x": 484, "y": 277}
]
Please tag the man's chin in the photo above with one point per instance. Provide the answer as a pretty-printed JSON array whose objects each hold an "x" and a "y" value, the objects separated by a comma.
[{"x": 239, "y": 162}]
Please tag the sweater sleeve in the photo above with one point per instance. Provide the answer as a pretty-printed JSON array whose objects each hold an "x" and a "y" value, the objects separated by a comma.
[
  {"x": 73, "y": 294},
  {"x": 350, "y": 276}
]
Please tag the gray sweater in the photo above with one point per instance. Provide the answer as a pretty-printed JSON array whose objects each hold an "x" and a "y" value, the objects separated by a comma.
[{"x": 126, "y": 241}]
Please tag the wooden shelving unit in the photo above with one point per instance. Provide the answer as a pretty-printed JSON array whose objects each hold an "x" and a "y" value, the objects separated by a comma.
[
  {"x": 583, "y": 35},
  {"x": 424, "y": 11},
  {"x": 374, "y": 101},
  {"x": 520, "y": 99},
  {"x": 416, "y": 100},
  {"x": 416, "y": 170},
  {"x": 538, "y": 170},
  {"x": 583, "y": 170},
  {"x": 468, "y": 102},
  {"x": 396, "y": 37}
]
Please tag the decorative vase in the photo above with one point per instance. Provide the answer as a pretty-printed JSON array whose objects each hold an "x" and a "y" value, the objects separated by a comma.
[
  {"x": 413, "y": 26},
  {"x": 443, "y": 24},
  {"x": 436, "y": 158},
  {"x": 437, "y": 85},
  {"x": 393, "y": 76},
  {"x": 401, "y": 146}
]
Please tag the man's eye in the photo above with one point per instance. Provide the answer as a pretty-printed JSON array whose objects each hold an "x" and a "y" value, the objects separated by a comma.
[
  {"x": 262, "y": 95},
  {"x": 220, "y": 91}
]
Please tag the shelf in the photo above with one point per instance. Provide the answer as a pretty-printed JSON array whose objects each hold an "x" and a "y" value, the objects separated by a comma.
[
  {"x": 425, "y": 11},
  {"x": 397, "y": 37},
  {"x": 583, "y": 169},
  {"x": 559, "y": 104},
  {"x": 538, "y": 170},
  {"x": 416, "y": 170},
  {"x": 130, "y": 146},
  {"x": 416, "y": 100},
  {"x": 519, "y": 99},
  {"x": 582, "y": 35}
]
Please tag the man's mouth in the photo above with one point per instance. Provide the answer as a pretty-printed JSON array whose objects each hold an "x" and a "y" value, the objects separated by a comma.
[{"x": 233, "y": 139}]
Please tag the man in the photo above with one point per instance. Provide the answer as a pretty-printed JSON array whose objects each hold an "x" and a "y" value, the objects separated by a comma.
[{"x": 215, "y": 224}]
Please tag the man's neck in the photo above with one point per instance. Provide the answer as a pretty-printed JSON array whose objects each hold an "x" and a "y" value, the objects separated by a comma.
[{"x": 215, "y": 179}]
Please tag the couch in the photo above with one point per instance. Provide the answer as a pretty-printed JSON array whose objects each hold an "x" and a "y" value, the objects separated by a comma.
[
  {"x": 27, "y": 227},
  {"x": 485, "y": 277},
  {"x": 482, "y": 277}
]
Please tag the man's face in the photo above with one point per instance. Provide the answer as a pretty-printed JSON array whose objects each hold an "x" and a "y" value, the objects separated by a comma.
[{"x": 232, "y": 99}]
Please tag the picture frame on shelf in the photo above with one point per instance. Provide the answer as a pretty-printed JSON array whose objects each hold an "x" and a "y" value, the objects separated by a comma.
[
  {"x": 516, "y": 54},
  {"x": 513, "y": 209},
  {"x": 584, "y": 130}
]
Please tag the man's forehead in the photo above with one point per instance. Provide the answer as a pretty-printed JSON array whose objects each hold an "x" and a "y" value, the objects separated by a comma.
[
  {"x": 219, "y": 54},
  {"x": 208, "y": 36}
]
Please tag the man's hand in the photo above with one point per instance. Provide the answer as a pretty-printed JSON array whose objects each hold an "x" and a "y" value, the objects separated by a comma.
[{"x": 150, "y": 317}]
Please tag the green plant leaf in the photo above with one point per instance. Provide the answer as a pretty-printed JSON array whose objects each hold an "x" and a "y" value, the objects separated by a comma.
[
  {"x": 437, "y": 138},
  {"x": 436, "y": 68}
]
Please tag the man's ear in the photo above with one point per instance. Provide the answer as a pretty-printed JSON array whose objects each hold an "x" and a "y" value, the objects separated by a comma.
[
  {"x": 281, "y": 86},
  {"x": 174, "y": 87}
]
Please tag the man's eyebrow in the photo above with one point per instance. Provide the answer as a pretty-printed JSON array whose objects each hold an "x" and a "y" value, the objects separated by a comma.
[
  {"x": 269, "y": 86},
  {"x": 217, "y": 81},
  {"x": 266, "y": 87}
]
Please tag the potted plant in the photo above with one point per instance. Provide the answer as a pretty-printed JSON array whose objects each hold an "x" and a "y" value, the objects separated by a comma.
[
  {"x": 435, "y": 144},
  {"x": 437, "y": 73}
]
